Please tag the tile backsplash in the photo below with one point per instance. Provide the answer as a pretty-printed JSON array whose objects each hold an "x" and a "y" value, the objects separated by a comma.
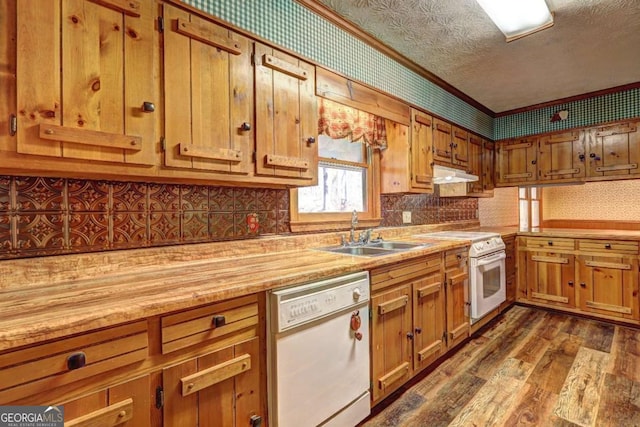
[{"x": 49, "y": 216}]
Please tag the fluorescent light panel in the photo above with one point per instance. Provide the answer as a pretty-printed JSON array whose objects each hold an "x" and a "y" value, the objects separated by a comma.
[{"x": 518, "y": 18}]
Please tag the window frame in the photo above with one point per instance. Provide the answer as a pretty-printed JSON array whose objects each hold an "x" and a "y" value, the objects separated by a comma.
[
  {"x": 528, "y": 199},
  {"x": 333, "y": 221}
]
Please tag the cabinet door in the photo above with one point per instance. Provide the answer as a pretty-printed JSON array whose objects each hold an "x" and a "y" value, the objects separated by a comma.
[
  {"x": 208, "y": 84},
  {"x": 421, "y": 151},
  {"x": 93, "y": 94},
  {"x": 614, "y": 151},
  {"x": 488, "y": 165},
  {"x": 221, "y": 388},
  {"x": 609, "y": 285},
  {"x": 126, "y": 405},
  {"x": 475, "y": 164},
  {"x": 459, "y": 148},
  {"x": 286, "y": 116},
  {"x": 561, "y": 157},
  {"x": 550, "y": 278},
  {"x": 391, "y": 346},
  {"x": 516, "y": 161},
  {"x": 428, "y": 319},
  {"x": 457, "y": 279},
  {"x": 442, "y": 141}
]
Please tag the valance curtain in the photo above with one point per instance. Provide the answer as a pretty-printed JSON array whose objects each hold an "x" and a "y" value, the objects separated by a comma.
[{"x": 339, "y": 121}]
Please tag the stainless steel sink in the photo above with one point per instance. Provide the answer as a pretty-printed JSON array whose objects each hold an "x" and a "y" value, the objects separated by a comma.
[
  {"x": 376, "y": 249},
  {"x": 399, "y": 245},
  {"x": 359, "y": 250}
]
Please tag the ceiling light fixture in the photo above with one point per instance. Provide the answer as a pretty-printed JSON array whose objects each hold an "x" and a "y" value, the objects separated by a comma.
[{"x": 520, "y": 18}]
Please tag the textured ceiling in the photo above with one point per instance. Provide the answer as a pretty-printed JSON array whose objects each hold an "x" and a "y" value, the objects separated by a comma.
[{"x": 593, "y": 45}]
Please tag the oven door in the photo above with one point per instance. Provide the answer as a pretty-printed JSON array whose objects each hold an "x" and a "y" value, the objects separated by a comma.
[{"x": 487, "y": 279}]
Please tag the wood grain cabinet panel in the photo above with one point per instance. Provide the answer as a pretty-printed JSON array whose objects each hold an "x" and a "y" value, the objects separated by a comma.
[
  {"x": 407, "y": 163},
  {"x": 457, "y": 294},
  {"x": 460, "y": 148},
  {"x": 93, "y": 94},
  {"x": 516, "y": 161},
  {"x": 125, "y": 405},
  {"x": 286, "y": 116},
  {"x": 613, "y": 151},
  {"x": 488, "y": 167},
  {"x": 550, "y": 278},
  {"x": 221, "y": 388},
  {"x": 561, "y": 157},
  {"x": 476, "y": 150},
  {"x": 208, "y": 85}
]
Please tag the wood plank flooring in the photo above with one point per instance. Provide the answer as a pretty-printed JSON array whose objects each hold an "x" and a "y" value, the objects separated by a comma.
[{"x": 530, "y": 368}]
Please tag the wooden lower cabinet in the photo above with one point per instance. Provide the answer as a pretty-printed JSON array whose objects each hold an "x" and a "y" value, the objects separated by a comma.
[
  {"x": 409, "y": 319},
  {"x": 127, "y": 405},
  {"x": 608, "y": 285},
  {"x": 391, "y": 346},
  {"x": 595, "y": 277},
  {"x": 457, "y": 280},
  {"x": 221, "y": 388},
  {"x": 550, "y": 278}
]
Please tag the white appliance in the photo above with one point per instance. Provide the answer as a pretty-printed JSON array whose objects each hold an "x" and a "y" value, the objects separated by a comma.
[
  {"x": 487, "y": 277},
  {"x": 318, "y": 353}
]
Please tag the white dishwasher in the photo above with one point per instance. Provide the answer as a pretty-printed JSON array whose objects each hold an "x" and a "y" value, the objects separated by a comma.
[{"x": 318, "y": 353}]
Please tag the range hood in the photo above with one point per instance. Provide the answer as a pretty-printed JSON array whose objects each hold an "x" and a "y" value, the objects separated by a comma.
[{"x": 447, "y": 175}]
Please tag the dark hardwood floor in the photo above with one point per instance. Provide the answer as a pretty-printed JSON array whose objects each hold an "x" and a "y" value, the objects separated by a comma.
[{"x": 530, "y": 368}]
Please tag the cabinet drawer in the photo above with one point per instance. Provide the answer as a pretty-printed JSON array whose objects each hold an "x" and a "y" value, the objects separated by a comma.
[
  {"x": 398, "y": 273},
  {"x": 456, "y": 258},
  {"x": 211, "y": 322},
  {"x": 627, "y": 247},
  {"x": 46, "y": 366},
  {"x": 550, "y": 243}
]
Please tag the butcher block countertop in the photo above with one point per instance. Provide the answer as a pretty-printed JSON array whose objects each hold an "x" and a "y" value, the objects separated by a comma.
[
  {"x": 578, "y": 233},
  {"x": 51, "y": 297}
]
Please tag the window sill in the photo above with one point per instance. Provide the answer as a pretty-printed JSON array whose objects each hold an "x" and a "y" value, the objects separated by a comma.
[{"x": 331, "y": 225}]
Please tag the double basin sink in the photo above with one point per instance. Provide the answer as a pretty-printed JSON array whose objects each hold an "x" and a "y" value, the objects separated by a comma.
[{"x": 376, "y": 248}]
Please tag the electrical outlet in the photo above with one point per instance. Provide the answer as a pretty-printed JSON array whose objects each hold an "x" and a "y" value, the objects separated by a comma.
[{"x": 406, "y": 217}]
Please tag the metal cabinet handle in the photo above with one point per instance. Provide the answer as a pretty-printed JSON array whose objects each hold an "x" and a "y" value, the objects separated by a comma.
[
  {"x": 409, "y": 335},
  {"x": 583, "y": 285},
  {"x": 245, "y": 126},
  {"x": 76, "y": 360},
  {"x": 570, "y": 283},
  {"x": 550, "y": 243},
  {"x": 418, "y": 330},
  {"x": 533, "y": 162},
  {"x": 218, "y": 321},
  {"x": 607, "y": 246},
  {"x": 311, "y": 140},
  {"x": 148, "y": 107},
  {"x": 581, "y": 157}
]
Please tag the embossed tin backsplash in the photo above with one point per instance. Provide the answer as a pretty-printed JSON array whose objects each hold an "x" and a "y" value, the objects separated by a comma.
[{"x": 48, "y": 216}]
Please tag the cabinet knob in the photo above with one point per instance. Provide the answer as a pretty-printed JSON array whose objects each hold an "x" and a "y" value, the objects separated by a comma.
[
  {"x": 581, "y": 157},
  {"x": 570, "y": 283},
  {"x": 607, "y": 246},
  {"x": 418, "y": 330},
  {"x": 245, "y": 126},
  {"x": 76, "y": 360},
  {"x": 311, "y": 140},
  {"x": 409, "y": 335},
  {"x": 218, "y": 321},
  {"x": 550, "y": 243},
  {"x": 583, "y": 285},
  {"x": 148, "y": 107},
  {"x": 533, "y": 162}
]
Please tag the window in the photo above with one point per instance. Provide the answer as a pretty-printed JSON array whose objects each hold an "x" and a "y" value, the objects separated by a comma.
[
  {"x": 348, "y": 172},
  {"x": 529, "y": 207}
]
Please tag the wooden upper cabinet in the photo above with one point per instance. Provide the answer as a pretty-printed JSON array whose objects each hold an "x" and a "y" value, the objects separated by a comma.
[
  {"x": 488, "y": 166},
  {"x": 516, "y": 161},
  {"x": 459, "y": 148},
  {"x": 421, "y": 151},
  {"x": 561, "y": 157},
  {"x": 208, "y": 84},
  {"x": 442, "y": 141},
  {"x": 86, "y": 80},
  {"x": 613, "y": 151},
  {"x": 407, "y": 163},
  {"x": 286, "y": 116},
  {"x": 475, "y": 151}
]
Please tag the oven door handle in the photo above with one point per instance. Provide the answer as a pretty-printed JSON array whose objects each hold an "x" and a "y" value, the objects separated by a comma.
[{"x": 491, "y": 259}]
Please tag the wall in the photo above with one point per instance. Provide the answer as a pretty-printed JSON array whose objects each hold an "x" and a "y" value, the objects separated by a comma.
[
  {"x": 50, "y": 216},
  {"x": 612, "y": 200},
  {"x": 501, "y": 209},
  {"x": 291, "y": 25},
  {"x": 585, "y": 112}
]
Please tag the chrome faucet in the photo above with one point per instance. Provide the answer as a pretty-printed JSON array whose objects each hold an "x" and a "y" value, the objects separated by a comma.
[{"x": 354, "y": 223}]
